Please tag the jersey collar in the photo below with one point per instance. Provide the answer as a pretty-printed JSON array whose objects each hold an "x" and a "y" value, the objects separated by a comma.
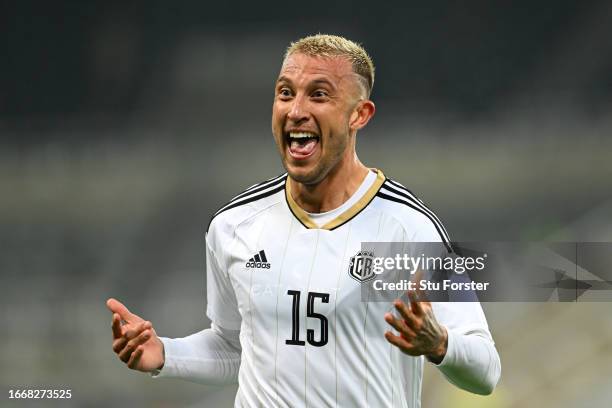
[{"x": 346, "y": 216}]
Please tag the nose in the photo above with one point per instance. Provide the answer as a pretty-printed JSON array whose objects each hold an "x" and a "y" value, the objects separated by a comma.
[{"x": 298, "y": 112}]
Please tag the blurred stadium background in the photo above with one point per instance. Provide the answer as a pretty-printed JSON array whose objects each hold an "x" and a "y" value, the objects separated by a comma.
[{"x": 124, "y": 125}]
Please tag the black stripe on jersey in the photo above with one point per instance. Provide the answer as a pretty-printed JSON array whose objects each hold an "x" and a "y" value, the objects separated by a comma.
[
  {"x": 410, "y": 196},
  {"x": 262, "y": 254},
  {"x": 265, "y": 182},
  {"x": 409, "y": 204},
  {"x": 244, "y": 197},
  {"x": 417, "y": 200},
  {"x": 253, "y": 196},
  {"x": 257, "y": 258},
  {"x": 259, "y": 187}
]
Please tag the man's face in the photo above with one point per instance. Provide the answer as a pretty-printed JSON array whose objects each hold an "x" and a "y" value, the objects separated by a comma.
[{"x": 314, "y": 102}]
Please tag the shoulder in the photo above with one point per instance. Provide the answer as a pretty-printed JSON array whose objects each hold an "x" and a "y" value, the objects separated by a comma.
[
  {"x": 248, "y": 204},
  {"x": 411, "y": 212}
]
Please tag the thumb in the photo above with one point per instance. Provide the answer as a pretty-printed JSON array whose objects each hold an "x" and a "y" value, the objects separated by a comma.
[{"x": 116, "y": 306}]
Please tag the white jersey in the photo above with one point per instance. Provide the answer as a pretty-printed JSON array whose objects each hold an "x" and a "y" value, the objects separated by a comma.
[{"x": 307, "y": 337}]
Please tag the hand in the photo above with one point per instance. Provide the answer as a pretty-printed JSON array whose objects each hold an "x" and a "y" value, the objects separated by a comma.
[
  {"x": 420, "y": 332},
  {"x": 134, "y": 339}
]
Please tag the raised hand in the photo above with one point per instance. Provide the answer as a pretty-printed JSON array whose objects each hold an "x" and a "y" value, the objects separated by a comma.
[
  {"x": 134, "y": 339},
  {"x": 419, "y": 331}
]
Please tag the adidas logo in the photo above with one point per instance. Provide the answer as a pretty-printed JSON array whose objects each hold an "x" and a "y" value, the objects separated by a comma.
[{"x": 259, "y": 260}]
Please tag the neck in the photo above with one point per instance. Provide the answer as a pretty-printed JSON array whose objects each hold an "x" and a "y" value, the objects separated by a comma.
[{"x": 334, "y": 190}]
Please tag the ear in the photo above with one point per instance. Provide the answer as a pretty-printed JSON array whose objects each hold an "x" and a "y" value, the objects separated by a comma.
[{"x": 362, "y": 114}]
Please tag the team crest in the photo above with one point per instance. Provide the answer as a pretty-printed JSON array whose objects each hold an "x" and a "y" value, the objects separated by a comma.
[{"x": 361, "y": 266}]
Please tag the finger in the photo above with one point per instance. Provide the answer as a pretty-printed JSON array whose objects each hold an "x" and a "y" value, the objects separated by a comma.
[
  {"x": 405, "y": 312},
  {"x": 125, "y": 354},
  {"x": 415, "y": 305},
  {"x": 116, "y": 306},
  {"x": 404, "y": 345},
  {"x": 119, "y": 344},
  {"x": 408, "y": 317},
  {"x": 135, "y": 358},
  {"x": 116, "y": 326},
  {"x": 129, "y": 348},
  {"x": 421, "y": 295},
  {"x": 416, "y": 278},
  {"x": 400, "y": 325},
  {"x": 136, "y": 330}
]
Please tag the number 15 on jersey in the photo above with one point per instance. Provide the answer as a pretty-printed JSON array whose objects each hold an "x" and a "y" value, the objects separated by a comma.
[{"x": 310, "y": 314}]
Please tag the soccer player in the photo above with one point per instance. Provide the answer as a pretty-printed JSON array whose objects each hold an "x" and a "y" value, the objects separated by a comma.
[{"x": 288, "y": 320}]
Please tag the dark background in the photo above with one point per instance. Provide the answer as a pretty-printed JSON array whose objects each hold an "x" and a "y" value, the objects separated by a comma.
[{"x": 124, "y": 125}]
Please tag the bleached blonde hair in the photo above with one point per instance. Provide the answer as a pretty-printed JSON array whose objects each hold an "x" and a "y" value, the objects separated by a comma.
[{"x": 325, "y": 45}]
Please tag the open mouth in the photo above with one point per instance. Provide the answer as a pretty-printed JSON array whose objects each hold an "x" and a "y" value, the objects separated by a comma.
[{"x": 301, "y": 144}]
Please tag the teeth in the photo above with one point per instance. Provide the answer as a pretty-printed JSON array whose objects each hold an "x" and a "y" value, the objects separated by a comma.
[{"x": 301, "y": 135}]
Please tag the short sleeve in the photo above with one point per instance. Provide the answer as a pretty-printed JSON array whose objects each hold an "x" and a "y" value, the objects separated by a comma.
[{"x": 222, "y": 306}]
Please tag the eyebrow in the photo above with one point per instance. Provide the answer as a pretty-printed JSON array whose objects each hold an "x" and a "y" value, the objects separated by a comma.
[
  {"x": 324, "y": 82},
  {"x": 319, "y": 81},
  {"x": 283, "y": 79}
]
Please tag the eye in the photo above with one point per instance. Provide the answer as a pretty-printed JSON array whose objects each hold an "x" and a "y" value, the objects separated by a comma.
[
  {"x": 319, "y": 93},
  {"x": 284, "y": 93}
]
